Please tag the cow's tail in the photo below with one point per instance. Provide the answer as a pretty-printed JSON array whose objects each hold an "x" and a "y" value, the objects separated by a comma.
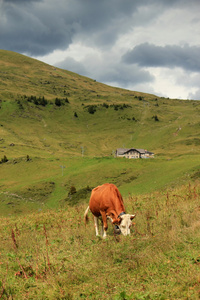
[{"x": 86, "y": 216}]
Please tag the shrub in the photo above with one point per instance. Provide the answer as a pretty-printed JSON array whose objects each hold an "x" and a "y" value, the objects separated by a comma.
[
  {"x": 72, "y": 190},
  {"x": 4, "y": 159},
  {"x": 28, "y": 158},
  {"x": 155, "y": 118},
  {"x": 43, "y": 101},
  {"x": 92, "y": 109},
  {"x": 20, "y": 104},
  {"x": 66, "y": 100},
  {"x": 74, "y": 196},
  {"x": 105, "y": 105},
  {"x": 58, "y": 102}
]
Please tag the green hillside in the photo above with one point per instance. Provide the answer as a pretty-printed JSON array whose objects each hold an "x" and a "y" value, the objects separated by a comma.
[
  {"x": 58, "y": 135},
  {"x": 59, "y": 129}
]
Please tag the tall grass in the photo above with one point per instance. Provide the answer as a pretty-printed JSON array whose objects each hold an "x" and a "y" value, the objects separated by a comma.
[{"x": 52, "y": 255}]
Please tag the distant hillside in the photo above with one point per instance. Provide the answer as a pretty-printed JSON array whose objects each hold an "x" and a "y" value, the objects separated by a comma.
[
  {"x": 52, "y": 118},
  {"x": 21, "y": 75},
  {"x": 86, "y": 108}
]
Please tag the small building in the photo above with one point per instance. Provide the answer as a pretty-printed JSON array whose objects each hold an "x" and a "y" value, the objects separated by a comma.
[{"x": 133, "y": 153}]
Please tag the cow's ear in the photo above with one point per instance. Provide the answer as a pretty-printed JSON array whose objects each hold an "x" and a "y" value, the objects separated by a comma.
[
  {"x": 132, "y": 217},
  {"x": 119, "y": 220}
]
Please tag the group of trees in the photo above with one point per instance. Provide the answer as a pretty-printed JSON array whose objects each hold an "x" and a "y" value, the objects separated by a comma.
[
  {"x": 43, "y": 101},
  {"x": 36, "y": 100},
  {"x": 5, "y": 159},
  {"x": 120, "y": 106},
  {"x": 60, "y": 102},
  {"x": 92, "y": 108}
]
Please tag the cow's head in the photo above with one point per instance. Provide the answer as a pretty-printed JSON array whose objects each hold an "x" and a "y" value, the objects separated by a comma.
[{"x": 125, "y": 223}]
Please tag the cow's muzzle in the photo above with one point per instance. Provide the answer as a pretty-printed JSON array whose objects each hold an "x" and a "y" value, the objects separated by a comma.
[{"x": 117, "y": 230}]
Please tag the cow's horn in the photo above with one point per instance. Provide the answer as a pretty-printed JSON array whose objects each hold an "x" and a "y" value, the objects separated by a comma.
[{"x": 132, "y": 217}]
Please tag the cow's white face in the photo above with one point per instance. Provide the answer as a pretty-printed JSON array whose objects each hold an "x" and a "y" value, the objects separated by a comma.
[{"x": 126, "y": 222}]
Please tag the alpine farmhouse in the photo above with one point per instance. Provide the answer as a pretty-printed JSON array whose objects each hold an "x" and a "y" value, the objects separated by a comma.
[{"x": 133, "y": 153}]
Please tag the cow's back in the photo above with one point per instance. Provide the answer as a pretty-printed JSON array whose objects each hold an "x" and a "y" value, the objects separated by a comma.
[{"x": 105, "y": 197}]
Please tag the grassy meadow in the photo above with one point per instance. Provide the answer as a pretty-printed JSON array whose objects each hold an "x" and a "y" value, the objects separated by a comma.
[
  {"x": 52, "y": 255},
  {"x": 58, "y": 135}
]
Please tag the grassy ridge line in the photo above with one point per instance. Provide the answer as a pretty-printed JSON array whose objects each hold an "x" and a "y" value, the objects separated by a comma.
[
  {"x": 20, "y": 74},
  {"x": 52, "y": 255}
]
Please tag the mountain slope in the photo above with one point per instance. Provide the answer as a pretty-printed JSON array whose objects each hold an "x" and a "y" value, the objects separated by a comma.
[{"x": 57, "y": 126}]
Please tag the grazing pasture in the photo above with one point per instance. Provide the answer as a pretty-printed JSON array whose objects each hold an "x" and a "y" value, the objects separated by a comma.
[
  {"x": 51, "y": 255},
  {"x": 58, "y": 135}
]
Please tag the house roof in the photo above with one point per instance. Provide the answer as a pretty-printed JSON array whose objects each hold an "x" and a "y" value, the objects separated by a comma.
[
  {"x": 150, "y": 153},
  {"x": 141, "y": 151},
  {"x": 122, "y": 151}
]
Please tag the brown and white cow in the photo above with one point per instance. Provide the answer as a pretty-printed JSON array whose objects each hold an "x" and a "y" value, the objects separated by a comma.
[{"x": 106, "y": 203}]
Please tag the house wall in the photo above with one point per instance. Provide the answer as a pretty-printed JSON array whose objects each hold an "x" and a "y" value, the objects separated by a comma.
[{"x": 132, "y": 154}]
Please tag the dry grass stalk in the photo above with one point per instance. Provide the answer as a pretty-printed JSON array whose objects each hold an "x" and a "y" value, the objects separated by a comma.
[
  {"x": 47, "y": 243},
  {"x": 14, "y": 240},
  {"x": 21, "y": 267}
]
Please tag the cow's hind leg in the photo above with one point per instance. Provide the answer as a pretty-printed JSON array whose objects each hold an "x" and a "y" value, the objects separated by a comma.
[{"x": 96, "y": 225}]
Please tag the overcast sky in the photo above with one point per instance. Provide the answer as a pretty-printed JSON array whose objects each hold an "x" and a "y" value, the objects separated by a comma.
[{"x": 149, "y": 46}]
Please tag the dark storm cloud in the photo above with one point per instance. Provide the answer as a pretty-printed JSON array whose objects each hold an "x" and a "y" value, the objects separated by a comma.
[
  {"x": 29, "y": 27},
  {"x": 19, "y": 1},
  {"x": 38, "y": 27},
  {"x": 124, "y": 75},
  {"x": 148, "y": 55}
]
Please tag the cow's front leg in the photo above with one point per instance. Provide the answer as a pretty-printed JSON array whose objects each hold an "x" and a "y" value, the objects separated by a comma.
[
  {"x": 96, "y": 225},
  {"x": 103, "y": 232},
  {"x": 104, "y": 223}
]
